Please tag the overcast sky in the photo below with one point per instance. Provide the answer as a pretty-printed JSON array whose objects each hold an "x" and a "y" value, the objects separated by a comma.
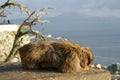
[{"x": 89, "y": 8}]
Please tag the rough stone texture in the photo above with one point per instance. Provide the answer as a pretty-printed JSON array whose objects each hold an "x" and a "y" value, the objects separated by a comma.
[
  {"x": 115, "y": 77},
  {"x": 6, "y": 42},
  {"x": 15, "y": 72}
]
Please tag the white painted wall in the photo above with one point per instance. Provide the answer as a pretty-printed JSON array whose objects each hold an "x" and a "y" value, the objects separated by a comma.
[{"x": 8, "y": 27}]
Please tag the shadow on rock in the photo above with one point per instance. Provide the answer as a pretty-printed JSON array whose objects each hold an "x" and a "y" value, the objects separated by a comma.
[{"x": 18, "y": 67}]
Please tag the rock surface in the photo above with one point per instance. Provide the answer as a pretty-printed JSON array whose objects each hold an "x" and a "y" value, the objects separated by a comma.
[
  {"x": 15, "y": 72},
  {"x": 7, "y": 35}
]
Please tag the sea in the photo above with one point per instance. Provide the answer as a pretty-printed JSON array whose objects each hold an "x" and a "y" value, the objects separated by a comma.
[{"x": 102, "y": 37}]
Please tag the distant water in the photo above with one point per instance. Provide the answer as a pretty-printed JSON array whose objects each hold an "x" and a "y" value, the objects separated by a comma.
[{"x": 102, "y": 38}]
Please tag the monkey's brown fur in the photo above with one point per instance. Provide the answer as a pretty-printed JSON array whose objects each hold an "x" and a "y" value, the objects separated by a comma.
[{"x": 64, "y": 56}]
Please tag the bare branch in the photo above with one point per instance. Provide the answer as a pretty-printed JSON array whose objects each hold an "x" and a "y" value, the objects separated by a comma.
[
  {"x": 26, "y": 23},
  {"x": 31, "y": 20},
  {"x": 10, "y": 3},
  {"x": 38, "y": 35}
]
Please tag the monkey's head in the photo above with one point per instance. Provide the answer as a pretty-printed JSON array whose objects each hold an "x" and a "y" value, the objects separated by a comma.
[{"x": 86, "y": 57}]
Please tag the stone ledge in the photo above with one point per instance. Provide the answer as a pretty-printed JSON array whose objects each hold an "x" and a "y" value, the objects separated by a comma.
[
  {"x": 9, "y": 27},
  {"x": 15, "y": 72}
]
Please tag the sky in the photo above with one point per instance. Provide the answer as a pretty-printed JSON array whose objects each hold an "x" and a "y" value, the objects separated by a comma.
[
  {"x": 99, "y": 13},
  {"x": 86, "y": 8},
  {"x": 76, "y": 12}
]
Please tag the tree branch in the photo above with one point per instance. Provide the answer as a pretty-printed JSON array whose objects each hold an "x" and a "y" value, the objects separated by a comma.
[
  {"x": 10, "y": 3},
  {"x": 26, "y": 23}
]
